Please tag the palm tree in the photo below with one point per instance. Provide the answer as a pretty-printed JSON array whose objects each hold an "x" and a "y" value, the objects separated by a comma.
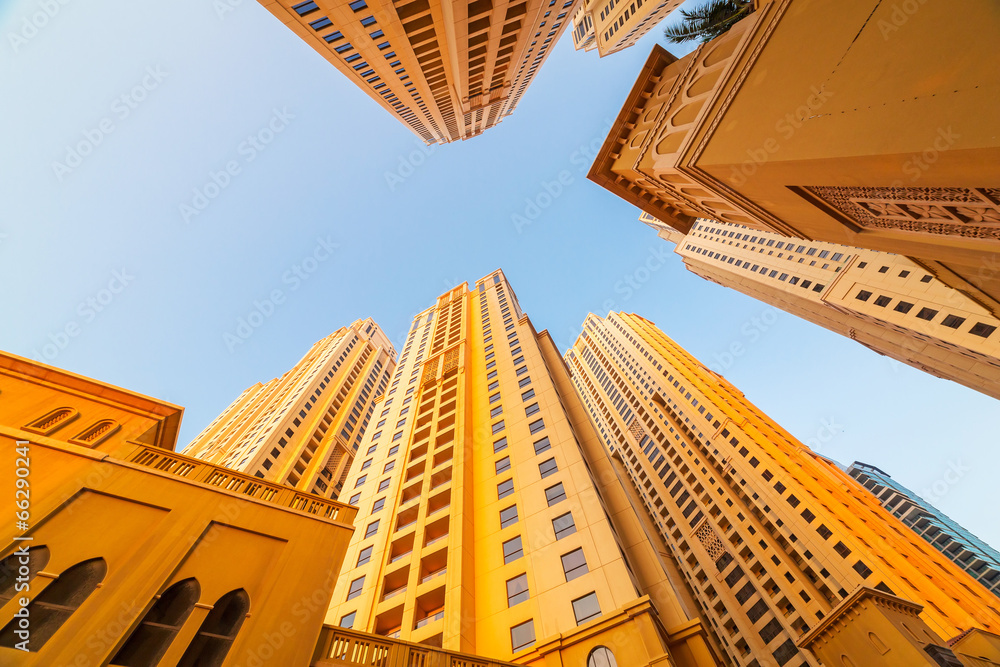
[{"x": 708, "y": 21}]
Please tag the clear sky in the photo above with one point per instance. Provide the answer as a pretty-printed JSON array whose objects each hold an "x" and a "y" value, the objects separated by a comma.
[{"x": 163, "y": 95}]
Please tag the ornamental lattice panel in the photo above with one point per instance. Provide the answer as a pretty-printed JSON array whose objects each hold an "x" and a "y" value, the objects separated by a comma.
[
  {"x": 710, "y": 541},
  {"x": 965, "y": 212},
  {"x": 635, "y": 428}
]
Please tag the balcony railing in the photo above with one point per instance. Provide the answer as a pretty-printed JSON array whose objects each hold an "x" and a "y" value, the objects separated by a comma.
[
  {"x": 339, "y": 647},
  {"x": 196, "y": 470}
]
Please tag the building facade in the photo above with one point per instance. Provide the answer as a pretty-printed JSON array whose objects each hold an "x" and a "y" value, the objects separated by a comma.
[
  {"x": 970, "y": 553},
  {"x": 447, "y": 70},
  {"x": 125, "y": 550},
  {"x": 304, "y": 428},
  {"x": 886, "y": 302},
  {"x": 489, "y": 521},
  {"x": 779, "y": 546},
  {"x": 861, "y": 144},
  {"x": 613, "y": 25}
]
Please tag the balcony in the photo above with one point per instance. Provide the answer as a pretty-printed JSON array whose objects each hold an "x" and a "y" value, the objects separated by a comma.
[
  {"x": 236, "y": 483},
  {"x": 339, "y": 647}
]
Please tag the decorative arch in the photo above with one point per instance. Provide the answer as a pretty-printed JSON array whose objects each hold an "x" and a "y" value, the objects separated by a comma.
[
  {"x": 52, "y": 421},
  {"x": 218, "y": 631},
  {"x": 152, "y": 637},
  {"x": 601, "y": 657},
  {"x": 846, "y": 662},
  {"x": 96, "y": 433},
  {"x": 878, "y": 643},
  {"x": 57, "y": 602}
]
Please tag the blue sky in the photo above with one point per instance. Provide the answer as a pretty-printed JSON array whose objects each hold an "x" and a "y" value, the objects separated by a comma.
[{"x": 166, "y": 94}]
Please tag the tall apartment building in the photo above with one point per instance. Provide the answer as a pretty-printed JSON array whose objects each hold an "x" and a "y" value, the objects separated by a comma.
[
  {"x": 886, "y": 302},
  {"x": 790, "y": 561},
  {"x": 862, "y": 143},
  {"x": 447, "y": 70},
  {"x": 304, "y": 428},
  {"x": 488, "y": 522},
  {"x": 970, "y": 553},
  {"x": 613, "y": 25}
]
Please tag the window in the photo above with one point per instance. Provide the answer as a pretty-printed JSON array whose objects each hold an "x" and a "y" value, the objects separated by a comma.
[
  {"x": 982, "y": 329},
  {"x": 548, "y": 467},
  {"x": 371, "y": 529},
  {"x": 555, "y": 494},
  {"x": 952, "y": 321},
  {"x": 903, "y": 307},
  {"x": 301, "y": 9},
  {"x": 524, "y": 382},
  {"x": 216, "y": 635},
  {"x": 536, "y": 426},
  {"x": 384, "y": 484},
  {"x": 770, "y": 630},
  {"x": 496, "y": 412},
  {"x": 347, "y": 621},
  {"x": 925, "y": 279},
  {"x": 863, "y": 295},
  {"x": 500, "y": 445},
  {"x": 150, "y": 640},
  {"x": 358, "y": 5},
  {"x": 601, "y": 657},
  {"x": 842, "y": 549},
  {"x": 389, "y": 466},
  {"x": 366, "y": 464},
  {"x": 508, "y": 516},
  {"x": 355, "y": 588},
  {"x": 10, "y": 569},
  {"x": 365, "y": 556},
  {"x": 522, "y": 636},
  {"x": 563, "y": 525},
  {"x": 883, "y": 301},
  {"x": 517, "y": 590},
  {"x": 542, "y": 445},
  {"x": 319, "y": 24},
  {"x": 361, "y": 480},
  {"x": 505, "y": 488},
  {"x": 531, "y": 409},
  {"x": 862, "y": 569},
  {"x": 379, "y": 504},
  {"x": 528, "y": 394},
  {"x": 499, "y": 426},
  {"x": 927, "y": 314},
  {"x": 586, "y": 608},
  {"x": 495, "y": 397},
  {"x": 574, "y": 564},
  {"x": 354, "y": 499},
  {"x": 512, "y": 550},
  {"x": 503, "y": 465}
]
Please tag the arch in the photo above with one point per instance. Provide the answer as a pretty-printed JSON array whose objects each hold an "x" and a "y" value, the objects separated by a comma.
[
  {"x": 52, "y": 421},
  {"x": 601, "y": 657},
  {"x": 912, "y": 634},
  {"x": 96, "y": 433},
  {"x": 878, "y": 643},
  {"x": 56, "y": 603},
  {"x": 846, "y": 662},
  {"x": 218, "y": 631},
  {"x": 10, "y": 568},
  {"x": 152, "y": 637}
]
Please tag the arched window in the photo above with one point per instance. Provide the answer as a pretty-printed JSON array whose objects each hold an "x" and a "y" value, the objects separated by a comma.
[
  {"x": 11, "y": 567},
  {"x": 150, "y": 640},
  {"x": 94, "y": 434},
  {"x": 52, "y": 421},
  {"x": 57, "y": 602},
  {"x": 846, "y": 662},
  {"x": 601, "y": 657},
  {"x": 217, "y": 633},
  {"x": 878, "y": 643}
]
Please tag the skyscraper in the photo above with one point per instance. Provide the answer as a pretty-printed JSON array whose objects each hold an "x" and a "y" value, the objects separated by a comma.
[
  {"x": 886, "y": 302},
  {"x": 969, "y": 552},
  {"x": 447, "y": 70},
  {"x": 613, "y": 25},
  {"x": 304, "y": 428},
  {"x": 486, "y": 522},
  {"x": 774, "y": 542},
  {"x": 864, "y": 143}
]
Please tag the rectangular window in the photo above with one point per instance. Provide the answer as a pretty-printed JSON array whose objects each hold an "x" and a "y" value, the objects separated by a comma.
[
  {"x": 574, "y": 564},
  {"x": 517, "y": 590},
  {"x": 384, "y": 484},
  {"x": 361, "y": 480},
  {"x": 536, "y": 426},
  {"x": 547, "y": 468},
  {"x": 354, "y": 499},
  {"x": 531, "y": 409},
  {"x": 586, "y": 608},
  {"x": 555, "y": 494},
  {"x": 522, "y": 636},
  {"x": 512, "y": 550},
  {"x": 499, "y": 426},
  {"x": 505, "y": 488},
  {"x": 377, "y": 505},
  {"x": 524, "y": 382},
  {"x": 355, "y": 588},
  {"x": 500, "y": 445},
  {"x": 496, "y": 412},
  {"x": 528, "y": 394},
  {"x": 347, "y": 621},
  {"x": 503, "y": 465},
  {"x": 372, "y": 528},
  {"x": 508, "y": 516},
  {"x": 927, "y": 314},
  {"x": 542, "y": 445},
  {"x": 365, "y": 555}
]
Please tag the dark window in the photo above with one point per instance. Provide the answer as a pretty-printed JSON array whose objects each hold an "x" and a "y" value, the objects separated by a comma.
[
  {"x": 563, "y": 525},
  {"x": 508, "y": 516},
  {"x": 927, "y": 314},
  {"x": 216, "y": 635},
  {"x": 500, "y": 445},
  {"x": 952, "y": 321},
  {"x": 512, "y": 550},
  {"x": 503, "y": 465},
  {"x": 785, "y": 652},
  {"x": 755, "y": 612},
  {"x": 771, "y": 630},
  {"x": 883, "y": 301},
  {"x": 548, "y": 467},
  {"x": 542, "y": 445},
  {"x": 862, "y": 569},
  {"x": 842, "y": 549},
  {"x": 505, "y": 488},
  {"x": 903, "y": 307},
  {"x": 745, "y": 593},
  {"x": 150, "y": 640},
  {"x": 824, "y": 532},
  {"x": 982, "y": 329}
]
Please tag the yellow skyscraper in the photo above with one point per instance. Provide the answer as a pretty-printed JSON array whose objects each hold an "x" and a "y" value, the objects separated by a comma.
[
  {"x": 791, "y": 562},
  {"x": 447, "y": 70},
  {"x": 490, "y": 520},
  {"x": 886, "y": 302},
  {"x": 304, "y": 428},
  {"x": 613, "y": 25}
]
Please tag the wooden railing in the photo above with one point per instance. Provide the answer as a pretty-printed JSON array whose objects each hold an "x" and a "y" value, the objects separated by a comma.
[
  {"x": 339, "y": 647},
  {"x": 235, "y": 482}
]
